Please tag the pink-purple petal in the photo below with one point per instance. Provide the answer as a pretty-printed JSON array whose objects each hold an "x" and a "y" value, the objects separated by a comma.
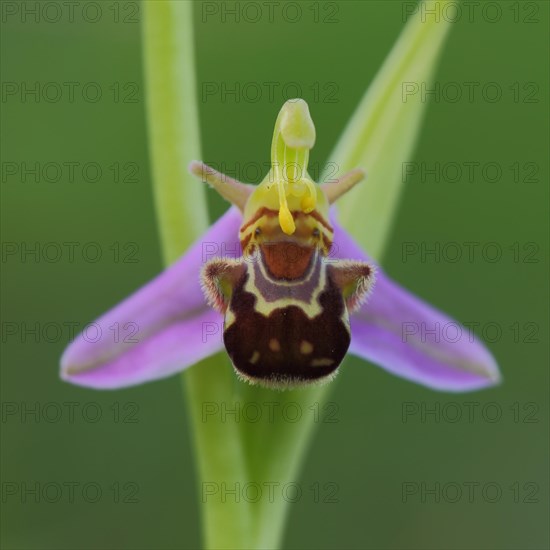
[
  {"x": 409, "y": 338},
  {"x": 176, "y": 347},
  {"x": 153, "y": 332}
]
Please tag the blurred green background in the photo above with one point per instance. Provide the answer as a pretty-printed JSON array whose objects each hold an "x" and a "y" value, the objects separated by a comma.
[{"x": 331, "y": 51}]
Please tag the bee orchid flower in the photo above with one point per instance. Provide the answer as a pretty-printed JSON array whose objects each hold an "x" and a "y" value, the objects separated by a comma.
[
  {"x": 277, "y": 281},
  {"x": 285, "y": 288}
]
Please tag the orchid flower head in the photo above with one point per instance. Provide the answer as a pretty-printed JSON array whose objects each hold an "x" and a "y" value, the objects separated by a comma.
[{"x": 291, "y": 306}]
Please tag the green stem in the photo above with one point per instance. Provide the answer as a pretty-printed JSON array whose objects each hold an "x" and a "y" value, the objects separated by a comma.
[
  {"x": 276, "y": 450},
  {"x": 182, "y": 216}
]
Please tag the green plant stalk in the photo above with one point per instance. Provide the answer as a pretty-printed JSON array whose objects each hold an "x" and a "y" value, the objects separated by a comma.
[{"x": 180, "y": 201}]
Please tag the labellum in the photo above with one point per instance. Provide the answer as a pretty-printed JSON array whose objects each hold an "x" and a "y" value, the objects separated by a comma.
[{"x": 286, "y": 302}]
